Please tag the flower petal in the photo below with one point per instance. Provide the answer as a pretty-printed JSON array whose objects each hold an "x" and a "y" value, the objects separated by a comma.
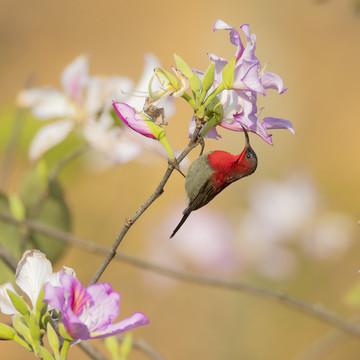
[
  {"x": 105, "y": 309},
  {"x": 112, "y": 142},
  {"x": 33, "y": 270},
  {"x": 272, "y": 81},
  {"x": 135, "y": 320},
  {"x": 133, "y": 119},
  {"x": 49, "y": 136},
  {"x": 150, "y": 63},
  {"x": 276, "y": 123},
  {"x": 75, "y": 77},
  {"x": 46, "y": 103},
  {"x": 6, "y": 306},
  {"x": 76, "y": 295}
]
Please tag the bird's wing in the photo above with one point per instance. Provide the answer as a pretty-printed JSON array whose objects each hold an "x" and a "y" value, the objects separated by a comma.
[{"x": 205, "y": 194}]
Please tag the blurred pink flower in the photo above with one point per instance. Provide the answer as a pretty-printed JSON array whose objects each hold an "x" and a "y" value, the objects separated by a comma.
[{"x": 85, "y": 104}]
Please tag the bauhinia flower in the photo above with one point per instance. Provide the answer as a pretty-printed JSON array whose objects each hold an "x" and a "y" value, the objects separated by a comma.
[
  {"x": 147, "y": 118},
  {"x": 33, "y": 270},
  {"x": 142, "y": 124},
  {"x": 89, "y": 313},
  {"x": 239, "y": 99},
  {"x": 84, "y": 104}
]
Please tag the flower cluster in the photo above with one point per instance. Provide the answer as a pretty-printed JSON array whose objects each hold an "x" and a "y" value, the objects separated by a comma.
[
  {"x": 85, "y": 105},
  {"x": 61, "y": 306},
  {"x": 225, "y": 95}
]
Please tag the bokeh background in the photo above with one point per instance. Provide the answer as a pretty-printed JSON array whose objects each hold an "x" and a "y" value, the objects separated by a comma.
[{"x": 315, "y": 47}]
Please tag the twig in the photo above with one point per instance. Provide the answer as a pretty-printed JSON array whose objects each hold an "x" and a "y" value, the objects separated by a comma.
[
  {"x": 289, "y": 301},
  {"x": 91, "y": 350},
  {"x": 7, "y": 257},
  {"x": 158, "y": 191},
  {"x": 144, "y": 347},
  {"x": 324, "y": 344}
]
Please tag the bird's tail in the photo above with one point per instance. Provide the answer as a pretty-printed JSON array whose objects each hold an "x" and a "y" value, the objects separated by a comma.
[{"x": 185, "y": 216}]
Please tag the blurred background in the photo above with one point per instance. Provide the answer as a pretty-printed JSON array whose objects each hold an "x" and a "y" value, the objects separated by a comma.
[{"x": 291, "y": 226}]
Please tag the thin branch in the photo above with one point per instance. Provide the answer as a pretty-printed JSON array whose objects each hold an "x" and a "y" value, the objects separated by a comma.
[
  {"x": 315, "y": 311},
  {"x": 7, "y": 257},
  {"x": 91, "y": 351},
  {"x": 144, "y": 347},
  {"x": 129, "y": 222}
]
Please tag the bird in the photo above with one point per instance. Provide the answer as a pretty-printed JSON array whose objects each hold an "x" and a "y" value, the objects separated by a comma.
[{"x": 212, "y": 172}]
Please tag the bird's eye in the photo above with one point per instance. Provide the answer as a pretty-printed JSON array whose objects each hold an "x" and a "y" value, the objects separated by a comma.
[{"x": 248, "y": 155}]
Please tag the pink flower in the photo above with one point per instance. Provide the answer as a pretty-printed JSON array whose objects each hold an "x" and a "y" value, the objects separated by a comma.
[
  {"x": 240, "y": 102},
  {"x": 89, "y": 313}
]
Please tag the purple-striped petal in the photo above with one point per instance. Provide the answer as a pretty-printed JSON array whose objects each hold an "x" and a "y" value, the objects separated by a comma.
[
  {"x": 272, "y": 81},
  {"x": 276, "y": 123},
  {"x": 135, "y": 320}
]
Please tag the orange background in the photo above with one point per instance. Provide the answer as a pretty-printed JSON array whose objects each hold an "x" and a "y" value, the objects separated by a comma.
[{"x": 313, "y": 46}]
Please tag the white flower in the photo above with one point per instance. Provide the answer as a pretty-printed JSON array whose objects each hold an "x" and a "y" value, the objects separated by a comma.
[
  {"x": 32, "y": 272},
  {"x": 85, "y": 104}
]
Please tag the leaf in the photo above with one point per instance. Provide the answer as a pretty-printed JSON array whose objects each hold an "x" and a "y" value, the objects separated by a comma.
[
  {"x": 183, "y": 67},
  {"x": 19, "y": 303},
  {"x": 10, "y": 237},
  {"x": 44, "y": 202},
  {"x": 45, "y": 354},
  {"x": 35, "y": 333},
  {"x": 126, "y": 346},
  {"x": 112, "y": 345},
  {"x": 53, "y": 340},
  {"x": 22, "y": 329},
  {"x": 228, "y": 73},
  {"x": 7, "y": 332},
  {"x": 352, "y": 296}
]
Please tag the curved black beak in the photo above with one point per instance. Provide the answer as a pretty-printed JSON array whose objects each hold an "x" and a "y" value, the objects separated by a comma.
[{"x": 247, "y": 140}]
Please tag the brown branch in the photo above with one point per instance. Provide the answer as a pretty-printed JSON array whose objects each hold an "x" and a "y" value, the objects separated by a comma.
[
  {"x": 318, "y": 312},
  {"x": 158, "y": 191},
  {"x": 91, "y": 351},
  {"x": 144, "y": 347},
  {"x": 7, "y": 257}
]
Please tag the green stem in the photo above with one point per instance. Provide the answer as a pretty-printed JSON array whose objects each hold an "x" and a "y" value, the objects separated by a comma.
[
  {"x": 190, "y": 100},
  {"x": 65, "y": 349}
]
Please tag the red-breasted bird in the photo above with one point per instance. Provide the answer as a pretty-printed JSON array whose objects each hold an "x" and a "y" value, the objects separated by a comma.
[{"x": 212, "y": 172}]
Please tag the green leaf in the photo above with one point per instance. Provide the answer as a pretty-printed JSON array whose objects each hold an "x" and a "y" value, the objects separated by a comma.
[
  {"x": 126, "y": 346},
  {"x": 19, "y": 303},
  {"x": 112, "y": 345},
  {"x": 45, "y": 203},
  {"x": 352, "y": 297},
  {"x": 183, "y": 67},
  {"x": 41, "y": 306},
  {"x": 53, "y": 340},
  {"x": 22, "y": 342},
  {"x": 35, "y": 333},
  {"x": 22, "y": 329},
  {"x": 208, "y": 80},
  {"x": 228, "y": 73},
  {"x": 7, "y": 332},
  {"x": 16, "y": 207},
  {"x": 45, "y": 354},
  {"x": 64, "y": 334},
  {"x": 11, "y": 238}
]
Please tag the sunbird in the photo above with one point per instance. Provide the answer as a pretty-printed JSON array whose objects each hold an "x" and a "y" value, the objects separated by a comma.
[{"x": 212, "y": 172}]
